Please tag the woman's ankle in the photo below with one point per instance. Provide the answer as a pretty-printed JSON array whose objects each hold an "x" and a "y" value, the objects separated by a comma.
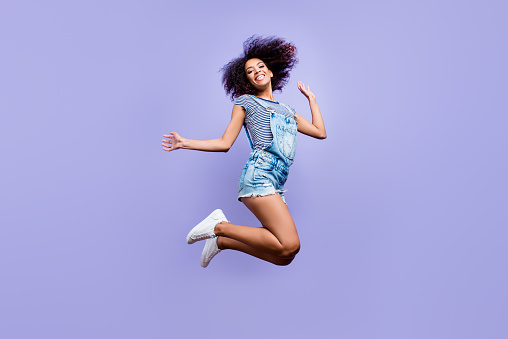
[
  {"x": 220, "y": 228},
  {"x": 220, "y": 242}
]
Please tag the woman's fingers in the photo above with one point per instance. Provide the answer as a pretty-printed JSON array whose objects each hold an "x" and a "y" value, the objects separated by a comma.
[
  {"x": 167, "y": 143},
  {"x": 301, "y": 87},
  {"x": 171, "y": 143},
  {"x": 305, "y": 91},
  {"x": 167, "y": 148}
]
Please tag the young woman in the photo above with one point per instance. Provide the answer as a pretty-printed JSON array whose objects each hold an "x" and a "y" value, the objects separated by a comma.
[{"x": 271, "y": 129}]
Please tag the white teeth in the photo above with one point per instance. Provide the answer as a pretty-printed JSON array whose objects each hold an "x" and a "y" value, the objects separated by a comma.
[{"x": 260, "y": 77}]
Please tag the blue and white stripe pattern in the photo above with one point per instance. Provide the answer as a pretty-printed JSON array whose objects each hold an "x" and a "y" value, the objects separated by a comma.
[{"x": 257, "y": 119}]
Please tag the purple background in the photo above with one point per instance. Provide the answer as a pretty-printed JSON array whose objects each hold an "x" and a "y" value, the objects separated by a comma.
[{"x": 401, "y": 211}]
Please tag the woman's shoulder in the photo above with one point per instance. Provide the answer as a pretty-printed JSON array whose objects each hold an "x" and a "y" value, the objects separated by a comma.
[
  {"x": 291, "y": 109},
  {"x": 244, "y": 99}
]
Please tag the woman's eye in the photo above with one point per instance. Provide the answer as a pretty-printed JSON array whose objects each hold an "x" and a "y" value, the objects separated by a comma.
[{"x": 261, "y": 66}]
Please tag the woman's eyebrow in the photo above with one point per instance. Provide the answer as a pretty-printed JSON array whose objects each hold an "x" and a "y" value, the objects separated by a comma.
[{"x": 253, "y": 66}]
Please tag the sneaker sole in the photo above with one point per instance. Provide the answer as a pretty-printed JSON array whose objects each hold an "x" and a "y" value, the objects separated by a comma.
[
  {"x": 192, "y": 241},
  {"x": 204, "y": 263}
]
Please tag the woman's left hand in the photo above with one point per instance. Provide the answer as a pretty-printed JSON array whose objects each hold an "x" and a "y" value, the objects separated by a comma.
[{"x": 308, "y": 94}]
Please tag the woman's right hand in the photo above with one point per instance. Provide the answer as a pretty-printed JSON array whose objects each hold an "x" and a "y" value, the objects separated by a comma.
[
  {"x": 174, "y": 141},
  {"x": 308, "y": 94}
]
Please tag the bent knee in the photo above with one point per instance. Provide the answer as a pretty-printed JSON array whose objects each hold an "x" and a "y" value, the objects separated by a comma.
[
  {"x": 289, "y": 251},
  {"x": 283, "y": 261}
]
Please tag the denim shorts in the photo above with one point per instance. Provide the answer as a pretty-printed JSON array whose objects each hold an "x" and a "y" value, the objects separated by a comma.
[{"x": 263, "y": 174}]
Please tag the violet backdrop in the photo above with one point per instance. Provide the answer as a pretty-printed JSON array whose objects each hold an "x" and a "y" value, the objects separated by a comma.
[{"x": 402, "y": 211}]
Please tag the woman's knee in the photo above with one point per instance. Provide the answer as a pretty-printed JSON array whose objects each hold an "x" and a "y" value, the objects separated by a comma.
[
  {"x": 283, "y": 262},
  {"x": 290, "y": 250}
]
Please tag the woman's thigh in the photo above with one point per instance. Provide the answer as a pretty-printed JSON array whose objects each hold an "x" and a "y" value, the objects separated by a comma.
[{"x": 274, "y": 215}]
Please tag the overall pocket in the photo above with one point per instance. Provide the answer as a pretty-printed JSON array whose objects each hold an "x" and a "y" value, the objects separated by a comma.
[
  {"x": 286, "y": 139},
  {"x": 263, "y": 170}
]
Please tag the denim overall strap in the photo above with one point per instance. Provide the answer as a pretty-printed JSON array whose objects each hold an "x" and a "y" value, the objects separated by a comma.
[
  {"x": 287, "y": 107},
  {"x": 284, "y": 130}
]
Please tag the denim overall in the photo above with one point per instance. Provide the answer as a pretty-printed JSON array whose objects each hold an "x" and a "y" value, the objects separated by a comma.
[{"x": 267, "y": 170}]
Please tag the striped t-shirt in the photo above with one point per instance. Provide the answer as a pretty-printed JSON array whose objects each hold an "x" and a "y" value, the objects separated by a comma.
[{"x": 257, "y": 119}]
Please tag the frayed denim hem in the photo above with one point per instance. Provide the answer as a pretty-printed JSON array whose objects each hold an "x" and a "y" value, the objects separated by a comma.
[{"x": 255, "y": 195}]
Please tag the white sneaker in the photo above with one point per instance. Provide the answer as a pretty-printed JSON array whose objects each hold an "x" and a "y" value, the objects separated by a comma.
[
  {"x": 211, "y": 250},
  {"x": 204, "y": 230}
]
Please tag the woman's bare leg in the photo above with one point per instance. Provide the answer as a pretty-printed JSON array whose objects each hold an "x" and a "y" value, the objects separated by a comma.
[
  {"x": 278, "y": 236},
  {"x": 232, "y": 244}
]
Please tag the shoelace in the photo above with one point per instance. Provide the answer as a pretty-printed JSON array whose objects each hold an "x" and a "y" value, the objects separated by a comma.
[{"x": 205, "y": 236}]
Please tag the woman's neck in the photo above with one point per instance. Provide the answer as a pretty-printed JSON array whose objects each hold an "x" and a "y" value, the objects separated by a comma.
[{"x": 266, "y": 94}]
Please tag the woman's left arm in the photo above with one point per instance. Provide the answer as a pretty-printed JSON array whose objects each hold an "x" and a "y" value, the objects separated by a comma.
[{"x": 316, "y": 129}]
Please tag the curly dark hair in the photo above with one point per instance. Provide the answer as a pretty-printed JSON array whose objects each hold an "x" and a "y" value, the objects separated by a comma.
[{"x": 277, "y": 54}]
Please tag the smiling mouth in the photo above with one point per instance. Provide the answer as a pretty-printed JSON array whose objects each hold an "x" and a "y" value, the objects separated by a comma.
[{"x": 260, "y": 77}]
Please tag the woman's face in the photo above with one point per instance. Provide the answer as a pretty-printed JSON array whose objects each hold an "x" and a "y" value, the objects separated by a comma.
[{"x": 258, "y": 74}]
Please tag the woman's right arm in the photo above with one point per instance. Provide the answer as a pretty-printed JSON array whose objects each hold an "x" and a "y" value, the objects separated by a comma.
[{"x": 223, "y": 144}]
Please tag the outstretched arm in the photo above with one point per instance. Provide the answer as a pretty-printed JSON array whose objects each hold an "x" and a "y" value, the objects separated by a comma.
[
  {"x": 223, "y": 144},
  {"x": 315, "y": 129}
]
